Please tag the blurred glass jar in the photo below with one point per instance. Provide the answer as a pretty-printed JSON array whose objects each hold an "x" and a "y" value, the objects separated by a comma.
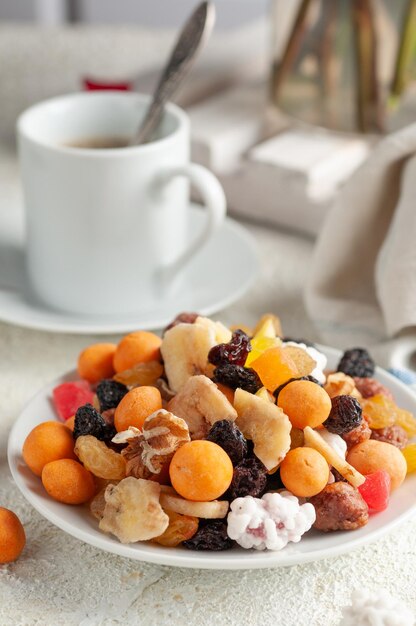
[{"x": 342, "y": 64}]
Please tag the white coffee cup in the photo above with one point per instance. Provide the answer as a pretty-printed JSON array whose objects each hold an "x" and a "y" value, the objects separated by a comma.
[{"x": 108, "y": 229}]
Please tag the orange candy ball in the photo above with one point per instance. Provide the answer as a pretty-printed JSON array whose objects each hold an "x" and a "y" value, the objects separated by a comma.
[
  {"x": 201, "y": 470},
  {"x": 136, "y": 405},
  {"x": 305, "y": 403},
  {"x": 138, "y": 347},
  {"x": 68, "y": 481},
  {"x": 47, "y": 442},
  {"x": 304, "y": 472},
  {"x": 12, "y": 536},
  {"x": 96, "y": 362},
  {"x": 372, "y": 455}
]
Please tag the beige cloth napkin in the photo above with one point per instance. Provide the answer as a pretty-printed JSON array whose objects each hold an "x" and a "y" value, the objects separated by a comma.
[{"x": 363, "y": 276}]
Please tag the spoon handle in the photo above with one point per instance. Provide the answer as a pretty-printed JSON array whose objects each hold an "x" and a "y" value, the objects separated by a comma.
[{"x": 195, "y": 32}]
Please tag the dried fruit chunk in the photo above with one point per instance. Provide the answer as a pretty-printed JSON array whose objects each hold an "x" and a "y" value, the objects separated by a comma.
[
  {"x": 314, "y": 440},
  {"x": 182, "y": 318},
  {"x": 181, "y": 528},
  {"x": 97, "y": 504},
  {"x": 211, "y": 536},
  {"x": 249, "y": 479},
  {"x": 100, "y": 460},
  {"x": 163, "y": 433},
  {"x": 339, "y": 384},
  {"x": 110, "y": 393},
  {"x": 273, "y": 321},
  {"x": 409, "y": 454},
  {"x": 230, "y": 438},
  {"x": 265, "y": 424},
  {"x": 140, "y": 374},
  {"x": 369, "y": 387},
  {"x": 68, "y": 397},
  {"x": 339, "y": 507},
  {"x": 376, "y": 491},
  {"x": 235, "y": 376},
  {"x": 185, "y": 349},
  {"x": 396, "y": 435},
  {"x": 357, "y": 435},
  {"x": 406, "y": 420},
  {"x": 275, "y": 367},
  {"x": 356, "y": 362},
  {"x": 379, "y": 411},
  {"x": 304, "y": 363},
  {"x": 345, "y": 415},
  {"x": 215, "y": 509},
  {"x": 132, "y": 511},
  {"x": 234, "y": 352},
  {"x": 200, "y": 403},
  {"x": 264, "y": 338}
]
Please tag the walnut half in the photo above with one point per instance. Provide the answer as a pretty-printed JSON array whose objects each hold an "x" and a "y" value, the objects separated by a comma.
[{"x": 163, "y": 433}]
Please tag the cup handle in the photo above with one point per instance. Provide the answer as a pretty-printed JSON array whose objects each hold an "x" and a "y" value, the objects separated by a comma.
[{"x": 215, "y": 203}]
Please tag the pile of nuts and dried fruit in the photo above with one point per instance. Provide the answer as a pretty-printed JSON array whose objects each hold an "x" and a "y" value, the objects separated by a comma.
[{"x": 210, "y": 437}]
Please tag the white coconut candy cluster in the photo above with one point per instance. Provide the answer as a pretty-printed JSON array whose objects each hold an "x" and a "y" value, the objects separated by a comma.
[
  {"x": 376, "y": 609},
  {"x": 319, "y": 358},
  {"x": 270, "y": 522}
]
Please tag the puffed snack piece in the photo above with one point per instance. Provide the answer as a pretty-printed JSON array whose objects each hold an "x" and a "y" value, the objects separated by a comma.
[{"x": 270, "y": 522}]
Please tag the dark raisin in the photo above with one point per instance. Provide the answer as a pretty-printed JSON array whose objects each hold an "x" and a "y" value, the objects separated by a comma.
[
  {"x": 235, "y": 351},
  {"x": 89, "y": 422},
  {"x": 211, "y": 535},
  {"x": 110, "y": 393},
  {"x": 345, "y": 415},
  {"x": 230, "y": 438},
  {"x": 249, "y": 479},
  {"x": 356, "y": 362},
  {"x": 235, "y": 376},
  {"x": 182, "y": 318},
  {"x": 312, "y": 379},
  {"x": 274, "y": 482},
  {"x": 396, "y": 435}
]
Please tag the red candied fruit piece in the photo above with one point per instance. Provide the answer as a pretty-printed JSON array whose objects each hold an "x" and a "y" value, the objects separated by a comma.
[
  {"x": 68, "y": 397},
  {"x": 376, "y": 491}
]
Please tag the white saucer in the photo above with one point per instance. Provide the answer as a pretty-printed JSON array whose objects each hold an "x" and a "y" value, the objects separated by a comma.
[{"x": 222, "y": 271}]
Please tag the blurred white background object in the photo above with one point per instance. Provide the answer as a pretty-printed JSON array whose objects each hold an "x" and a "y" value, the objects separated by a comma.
[{"x": 160, "y": 13}]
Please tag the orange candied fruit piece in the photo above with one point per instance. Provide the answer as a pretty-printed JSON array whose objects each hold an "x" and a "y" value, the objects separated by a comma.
[{"x": 274, "y": 368}]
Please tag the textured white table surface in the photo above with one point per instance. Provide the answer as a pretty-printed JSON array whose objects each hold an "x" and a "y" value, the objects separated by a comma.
[{"x": 60, "y": 581}]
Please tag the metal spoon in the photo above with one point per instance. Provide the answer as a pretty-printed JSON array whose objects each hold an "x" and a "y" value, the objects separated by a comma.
[{"x": 191, "y": 39}]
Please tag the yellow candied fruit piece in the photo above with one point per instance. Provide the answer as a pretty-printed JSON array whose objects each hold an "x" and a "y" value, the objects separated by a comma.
[
  {"x": 409, "y": 453},
  {"x": 406, "y": 420},
  {"x": 379, "y": 411},
  {"x": 141, "y": 374}
]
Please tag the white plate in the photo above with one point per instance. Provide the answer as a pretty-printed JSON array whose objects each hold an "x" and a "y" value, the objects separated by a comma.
[
  {"x": 77, "y": 520},
  {"x": 220, "y": 274}
]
